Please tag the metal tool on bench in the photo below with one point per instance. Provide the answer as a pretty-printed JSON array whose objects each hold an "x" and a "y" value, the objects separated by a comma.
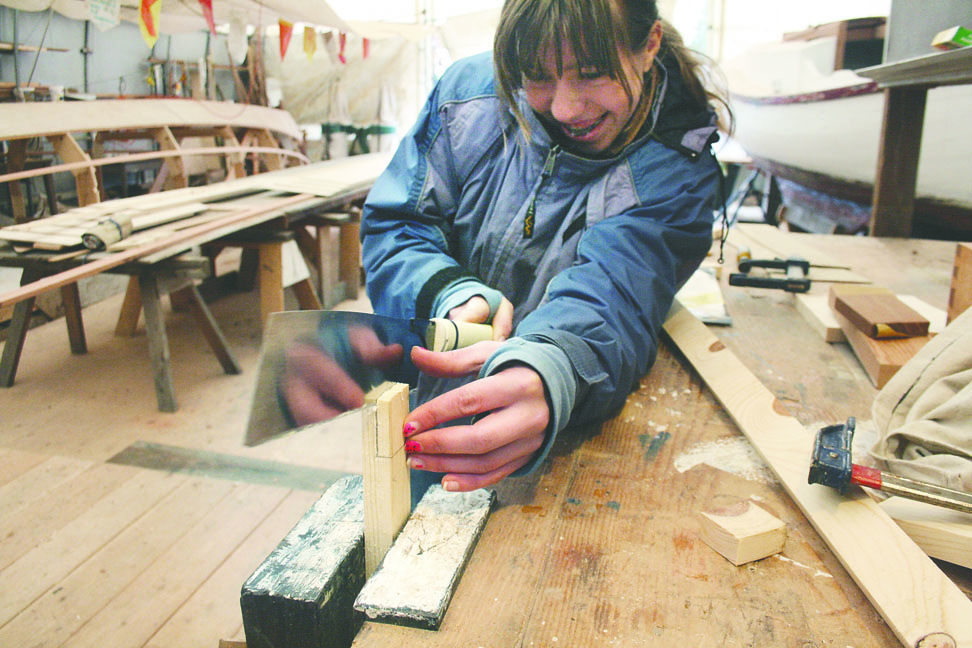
[
  {"x": 360, "y": 347},
  {"x": 831, "y": 465},
  {"x": 796, "y": 271}
]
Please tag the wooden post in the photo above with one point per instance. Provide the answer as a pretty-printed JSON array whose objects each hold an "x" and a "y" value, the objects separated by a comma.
[
  {"x": 16, "y": 158},
  {"x": 894, "y": 185},
  {"x": 387, "y": 492}
]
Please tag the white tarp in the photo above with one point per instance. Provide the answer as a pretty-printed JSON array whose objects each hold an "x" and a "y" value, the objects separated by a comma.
[{"x": 179, "y": 16}]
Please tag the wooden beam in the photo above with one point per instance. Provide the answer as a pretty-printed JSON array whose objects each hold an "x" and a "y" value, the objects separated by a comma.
[
  {"x": 893, "y": 207},
  {"x": 302, "y": 595},
  {"x": 148, "y": 155},
  {"x": 387, "y": 489},
  {"x": 177, "y": 178},
  {"x": 960, "y": 293},
  {"x": 881, "y": 359},
  {"x": 912, "y": 595},
  {"x": 69, "y": 151}
]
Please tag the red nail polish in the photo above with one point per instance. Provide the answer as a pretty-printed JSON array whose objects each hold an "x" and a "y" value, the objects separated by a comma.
[
  {"x": 410, "y": 429},
  {"x": 412, "y": 446}
]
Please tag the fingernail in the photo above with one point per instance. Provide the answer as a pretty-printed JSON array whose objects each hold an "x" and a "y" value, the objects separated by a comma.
[
  {"x": 410, "y": 429},
  {"x": 412, "y": 446},
  {"x": 450, "y": 485},
  {"x": 418, "y": 464}
]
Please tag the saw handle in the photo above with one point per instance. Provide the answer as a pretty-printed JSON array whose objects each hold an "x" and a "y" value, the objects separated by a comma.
[{"x": 448, "y": 335}]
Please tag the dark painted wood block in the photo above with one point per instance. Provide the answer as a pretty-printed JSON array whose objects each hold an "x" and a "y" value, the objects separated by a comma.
[{"x": 302, "y": 595}]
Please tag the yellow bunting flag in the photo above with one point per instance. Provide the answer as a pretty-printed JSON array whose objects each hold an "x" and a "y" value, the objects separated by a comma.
[
  {"x": 310, "y": 41},
  {"x": 148, "y": 20},
  {"x": 286, "y": 31}
]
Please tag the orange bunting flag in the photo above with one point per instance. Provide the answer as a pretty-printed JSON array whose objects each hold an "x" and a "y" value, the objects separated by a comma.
[
  {"x": 310, "y": 41},
  {"x": 365, "y": 46},
  {"x": 148, "y": 20},
  {"x": 207, "y": 9},
  {"x": 342, "y": 40},
  {"x": 286, "y": 31}
]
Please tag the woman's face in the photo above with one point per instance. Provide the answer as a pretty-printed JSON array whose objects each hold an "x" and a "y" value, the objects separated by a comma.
[{"x": 588, "y": 108}]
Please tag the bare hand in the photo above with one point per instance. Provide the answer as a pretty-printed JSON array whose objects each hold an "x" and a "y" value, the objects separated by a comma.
[
  {"x": 316, "y": 387},
  {"x": 476, "y": 310},
  {"x": 499, "y": 443}
]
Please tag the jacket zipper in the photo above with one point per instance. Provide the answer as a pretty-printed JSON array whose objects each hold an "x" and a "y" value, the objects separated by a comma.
[{"x": 548, "y": 165}]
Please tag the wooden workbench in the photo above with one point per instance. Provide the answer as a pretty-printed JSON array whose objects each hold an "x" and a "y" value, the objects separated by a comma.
[
  {"x": 261, "y": 207},
  {"x": 600, "y": 547}
]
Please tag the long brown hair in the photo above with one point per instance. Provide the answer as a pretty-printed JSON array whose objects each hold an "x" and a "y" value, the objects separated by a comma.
[{"x": 594, "y": 30}]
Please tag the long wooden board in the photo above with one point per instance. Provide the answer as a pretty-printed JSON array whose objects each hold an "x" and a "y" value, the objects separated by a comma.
[
  {"x": 114, "y": 260},
  {"x": 912, "y": 595},
  {"x": 38, "y": 119}
]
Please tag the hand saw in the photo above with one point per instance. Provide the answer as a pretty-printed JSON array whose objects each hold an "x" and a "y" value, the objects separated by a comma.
[{"x": 347, "y": 346}]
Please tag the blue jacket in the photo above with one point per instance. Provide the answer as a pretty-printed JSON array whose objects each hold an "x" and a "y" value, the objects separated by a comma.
[{"x": 589, "y": 251}]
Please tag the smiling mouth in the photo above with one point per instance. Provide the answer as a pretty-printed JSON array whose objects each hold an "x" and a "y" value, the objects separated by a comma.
[{"x": 580, "y": 133}]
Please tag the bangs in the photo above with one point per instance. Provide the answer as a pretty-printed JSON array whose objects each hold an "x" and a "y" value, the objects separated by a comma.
[{"x": 529, "y": 29}]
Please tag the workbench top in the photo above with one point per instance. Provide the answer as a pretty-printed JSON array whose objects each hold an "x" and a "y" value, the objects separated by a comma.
[{"x": 600, "y": 547}]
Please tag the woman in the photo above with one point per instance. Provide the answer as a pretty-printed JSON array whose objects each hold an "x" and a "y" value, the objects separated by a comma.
[{"x": 558, "y": 189}]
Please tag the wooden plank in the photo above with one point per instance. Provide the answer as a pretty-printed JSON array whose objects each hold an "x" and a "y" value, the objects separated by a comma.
[
  {"x": 72, "y": 558},
  {"x": 129, "y": 619},
  {"x": 14, "y": 463},
  {"x": 88, "y": 166},
  {"x": 25, "y": 488},
  {"x": 205, "y": 614},
  {"x": 419, "y": 574},
  {"x": 302, "y": 595},
  {"x": 25, "y": 528},
  {"x": 912, "y": 595},
  {"x": 240, "y": 220},
  {"x": 881, "y": 316},
  {"x": 881, "y": 359},
  {"x": 960, "y": 293},
  {"x": 387, "y": 492},
  {"x": 941, "y": 533},
  {"x": 36, "y": 119}
]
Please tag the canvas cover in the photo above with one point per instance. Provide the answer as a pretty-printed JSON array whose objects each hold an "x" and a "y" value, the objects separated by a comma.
[{"x": 923, "y": 415}]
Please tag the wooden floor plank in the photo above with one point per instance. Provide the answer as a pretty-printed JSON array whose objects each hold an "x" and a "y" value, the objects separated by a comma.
[
  {"x": 33, "y": 484},
  {"x": 14, "y": 463},
  {"x": 129, "y": 619},
  {"x": 24, "y": 529},
  {"x": 213, "y": 610},
  {"x": 66, "y": 606},
  {"x": 41, "y": 568}
]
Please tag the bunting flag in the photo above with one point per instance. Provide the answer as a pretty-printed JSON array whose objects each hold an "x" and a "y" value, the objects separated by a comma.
[
  {"x": 310, "y": 41},
  {"x": 286, "y": 31},
  {"x": 365, "y": 46},
  {"x": 207, "y": 9},
  {"x": 342, "y": 41},
  {"x": 148, "y": 20}
]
